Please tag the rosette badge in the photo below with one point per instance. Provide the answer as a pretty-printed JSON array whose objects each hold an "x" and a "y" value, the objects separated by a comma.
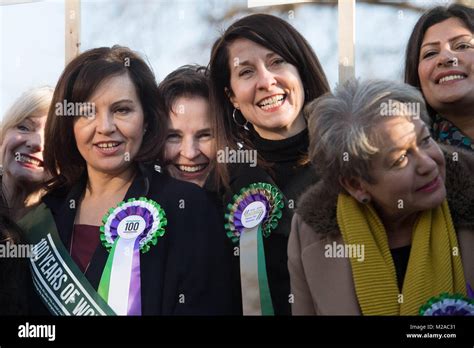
[
  {"x": 132, "y": 227},
  {"x": 252, "y": 215},
  {"x": 449, "y": 305}
]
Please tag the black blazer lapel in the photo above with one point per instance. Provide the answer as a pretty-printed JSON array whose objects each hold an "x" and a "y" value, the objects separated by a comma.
[{"x": 64, "y": 210}]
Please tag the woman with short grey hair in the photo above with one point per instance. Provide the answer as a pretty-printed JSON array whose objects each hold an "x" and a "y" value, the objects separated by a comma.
[{"x": 383, "y": 232}]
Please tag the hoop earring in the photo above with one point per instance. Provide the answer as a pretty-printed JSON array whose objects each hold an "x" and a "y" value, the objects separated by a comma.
[{"x": 237, "y": 123}]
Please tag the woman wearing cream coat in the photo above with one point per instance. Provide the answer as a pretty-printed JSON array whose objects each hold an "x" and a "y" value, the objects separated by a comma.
[{"x": 391, "y": 223}]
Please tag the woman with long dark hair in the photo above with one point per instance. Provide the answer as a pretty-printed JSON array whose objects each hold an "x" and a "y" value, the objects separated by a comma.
[
  {"x": 129, "y": 240},
  {"x": 439, "y": 61},
  {"x": 263, "y": 72}
]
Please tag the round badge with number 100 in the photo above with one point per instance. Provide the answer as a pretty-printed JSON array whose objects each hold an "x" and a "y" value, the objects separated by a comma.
[{"x": 131, "y": 227}]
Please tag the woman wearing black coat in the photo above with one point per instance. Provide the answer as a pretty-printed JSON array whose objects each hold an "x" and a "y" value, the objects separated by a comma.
[{"x": 113, "y": 235}]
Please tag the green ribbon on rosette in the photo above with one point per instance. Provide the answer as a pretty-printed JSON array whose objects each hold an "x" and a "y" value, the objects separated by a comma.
[{"x": 252, "y": 215}]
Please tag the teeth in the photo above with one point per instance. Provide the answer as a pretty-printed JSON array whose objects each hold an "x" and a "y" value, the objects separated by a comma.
[
  {"x": 26, "y": 159},
  {"x": 107, "y": 145},
  {"x": 192, "y": 169},
  {"x": 271, "y": 102},
  {"x": 450, "y": 78}
]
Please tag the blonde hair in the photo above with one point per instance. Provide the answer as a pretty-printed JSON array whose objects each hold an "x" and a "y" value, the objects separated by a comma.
[{"x": 28, "y": 104}]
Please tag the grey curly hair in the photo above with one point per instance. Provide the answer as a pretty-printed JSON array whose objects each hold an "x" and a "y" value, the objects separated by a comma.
[{"x": 341, "y": 126}]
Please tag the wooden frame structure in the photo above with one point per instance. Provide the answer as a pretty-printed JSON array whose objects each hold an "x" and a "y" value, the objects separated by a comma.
[{"x": 72, "y": 26}]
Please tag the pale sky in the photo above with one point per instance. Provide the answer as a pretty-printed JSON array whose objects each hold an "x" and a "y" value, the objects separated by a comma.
[{"x": 173, "y": 33}]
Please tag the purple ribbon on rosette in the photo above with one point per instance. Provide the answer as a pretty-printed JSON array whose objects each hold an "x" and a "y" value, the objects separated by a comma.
[{"x": 120, "y": 281}]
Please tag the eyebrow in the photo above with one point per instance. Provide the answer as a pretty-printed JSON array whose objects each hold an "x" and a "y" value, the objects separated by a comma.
[
  {"x": 247, "y": 62},
  {"x": 31, "y": 119},
  {"x": 399, "y": 148},
  {"x": 437, "y": 42},
  {"x": 204, "y": 130},
  {"x": 170, "y": 130},
  {"x": 122, "y": 101}
]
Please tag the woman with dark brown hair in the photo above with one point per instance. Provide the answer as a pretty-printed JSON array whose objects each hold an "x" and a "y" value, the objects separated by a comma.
[
  {"x": 439, "y": 61},
  {"x": 189, "y": 149},
  {"x": 128, "y": 239},
  {"x": 263, "y": 72}
]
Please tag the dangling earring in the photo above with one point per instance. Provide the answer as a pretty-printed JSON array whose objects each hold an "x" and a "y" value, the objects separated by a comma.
[{"x": 238, "y": 124}]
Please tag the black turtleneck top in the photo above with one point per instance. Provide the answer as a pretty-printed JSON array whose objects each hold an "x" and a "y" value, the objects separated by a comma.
[
  {"x": 283, "y": 169},
  {"x": 286, "y": 162}
]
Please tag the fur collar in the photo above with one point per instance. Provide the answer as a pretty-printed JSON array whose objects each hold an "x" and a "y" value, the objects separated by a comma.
[{"x": 317, "y": 207}]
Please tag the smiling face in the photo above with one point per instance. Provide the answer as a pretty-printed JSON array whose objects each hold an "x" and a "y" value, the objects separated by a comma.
[
  {"x": 189, "y": 145},
  {"x": 409, "y": 171},
  {"x": 109, "y": 141},
  {"x": 266, "y": 89},
  {"x": 22, "y": 150},
  {"x": 446, "y": 68}
]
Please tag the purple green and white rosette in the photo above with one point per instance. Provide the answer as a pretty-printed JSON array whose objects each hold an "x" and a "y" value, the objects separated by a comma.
[
  {"x": 128, "y": 229},
  {"x": 252, "y": 215},
  {"x": 448, "y": 305}
]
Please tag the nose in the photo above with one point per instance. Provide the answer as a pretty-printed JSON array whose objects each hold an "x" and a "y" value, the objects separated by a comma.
[
  {"x": 426, "y": 164},
  {"x": 105, "y": 123},
  {"x": 35, "y": 142},
  {"x": 447, "y": 58},
  {"x": 266, "y": 79},
  {"x": 189, "y": 148}
]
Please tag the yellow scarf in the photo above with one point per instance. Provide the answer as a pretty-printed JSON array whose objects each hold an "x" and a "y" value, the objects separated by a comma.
[{"x": 434, "y": 265}]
